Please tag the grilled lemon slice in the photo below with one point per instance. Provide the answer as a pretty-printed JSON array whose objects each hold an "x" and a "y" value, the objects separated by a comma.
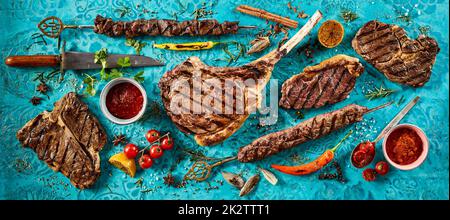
[
  {"x": 331, "y": 33},
  {"x": 122, "y": 162}
]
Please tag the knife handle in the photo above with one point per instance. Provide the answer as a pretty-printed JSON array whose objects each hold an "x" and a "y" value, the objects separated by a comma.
[{"x": 33, "y": 60}]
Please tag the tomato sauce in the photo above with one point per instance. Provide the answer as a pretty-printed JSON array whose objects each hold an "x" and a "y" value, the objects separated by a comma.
[
  {"x": 404, "y": 146},
  {"x": 124, "y": 100}
]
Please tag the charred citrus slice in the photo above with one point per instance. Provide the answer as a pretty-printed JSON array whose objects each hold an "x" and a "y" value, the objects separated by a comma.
[
  {"x": 331, "y": 33},
  {"x": 122, "y": 162}
]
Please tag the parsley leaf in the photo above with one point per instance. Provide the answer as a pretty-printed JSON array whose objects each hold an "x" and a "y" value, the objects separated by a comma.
[
  {"x": 115, "y": 73},
  {"x": 136, "y": 44},
  {"x": 139, "y": 76},
  {"x": 101, "y": 57},
  {"x": 90, "y": 82},
  {"x": 124, "y": 62}
]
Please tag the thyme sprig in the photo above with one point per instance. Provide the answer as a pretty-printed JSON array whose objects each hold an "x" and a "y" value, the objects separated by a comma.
[
  {"x": 204, "y": 11},
  {"x": 380, "y": 92},
  {"x": 123, "y": 10},
  {"x": 349, "y": 15}
]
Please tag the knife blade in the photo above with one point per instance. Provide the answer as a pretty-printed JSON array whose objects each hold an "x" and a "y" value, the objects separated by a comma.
[
  {"x": 78, "y": 61},
  {"x": 82, "y": 61}
]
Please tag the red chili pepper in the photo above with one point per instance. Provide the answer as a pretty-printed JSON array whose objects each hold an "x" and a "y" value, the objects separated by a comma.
[{"x": 313, "y": 166}]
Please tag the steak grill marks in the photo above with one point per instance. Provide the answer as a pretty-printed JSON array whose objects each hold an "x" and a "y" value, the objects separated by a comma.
[
  {"x": 328, "y": 82},
  {"x": 400, "y": 59},
  {"x": 68, "y": 139},
  {"x": 310, "y": 129},
  {"x": 168, "y": 28}
]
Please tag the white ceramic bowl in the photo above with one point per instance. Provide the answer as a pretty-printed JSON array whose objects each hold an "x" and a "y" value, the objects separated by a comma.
[
  {"x": 105, "y": 109},
  {"x": 419, "y": 160}
]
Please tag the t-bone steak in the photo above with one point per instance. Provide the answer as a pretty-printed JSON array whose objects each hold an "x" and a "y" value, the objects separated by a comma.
[
  {"x": 68, "y": 139},
  {"x": 399, "y": 58},
  {"x": 328, "y": 82}
]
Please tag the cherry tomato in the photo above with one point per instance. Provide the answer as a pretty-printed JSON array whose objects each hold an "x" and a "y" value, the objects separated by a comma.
[
  {"x": 156, "y": 152},
  {"x": 145, "y": 161},
  {"x": 382, "y": 168},
  {"x": 152, "y": 135},
  {"x": 367, "y": 147},
  {"x": 131, "y": 151},
  {"x": 369, "y": 174},
  {"x": 167, "y": 143}
]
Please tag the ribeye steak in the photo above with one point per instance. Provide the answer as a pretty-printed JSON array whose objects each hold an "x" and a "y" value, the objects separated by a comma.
[
  {"x": 68, "y": 139},
  {"x": 328, "y": 82},
  {"x": 399, "y": 58}
]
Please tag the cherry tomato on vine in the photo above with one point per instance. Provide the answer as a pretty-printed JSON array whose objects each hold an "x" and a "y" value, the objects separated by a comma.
[
  {"x": 167, "y": 143},
  {"x": 145, "y": 161},
  {"x": 156, "y": 152},
  {"x": 131, "y": 151},
  {"x": 152, "y": 135}
]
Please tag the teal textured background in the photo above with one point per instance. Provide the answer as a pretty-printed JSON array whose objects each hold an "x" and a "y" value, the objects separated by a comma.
[{"x": 18, "y": 20}]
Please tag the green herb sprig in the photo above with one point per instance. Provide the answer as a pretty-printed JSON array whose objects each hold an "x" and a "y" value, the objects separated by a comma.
[
  {"x": 380, "y": 92},
  {"x": 101, "y": 57},
  {"x": 122, "y": 11},
  {"x": 90, "y": 82},
  {"x": 349, "y": 15},
  {"x": 136, "y": 44},
  {"x": 203, "y": 11},
  {"x": 231, "y": 58}
]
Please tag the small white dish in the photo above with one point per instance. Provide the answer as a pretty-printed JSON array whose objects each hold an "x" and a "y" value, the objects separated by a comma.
[
  {"x": 419, "y": 160},
  {"x": 105, "y": 110}
]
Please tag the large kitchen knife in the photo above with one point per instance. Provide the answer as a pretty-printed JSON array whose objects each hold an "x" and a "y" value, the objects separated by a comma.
[{"x": 77, "y": 61}]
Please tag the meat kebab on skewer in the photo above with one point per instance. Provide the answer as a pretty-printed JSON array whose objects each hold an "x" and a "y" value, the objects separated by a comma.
[
  {"x": 53, "y": 26},
  {"x": 273, "y": 143},
  {"x": 213, "y": 128}
]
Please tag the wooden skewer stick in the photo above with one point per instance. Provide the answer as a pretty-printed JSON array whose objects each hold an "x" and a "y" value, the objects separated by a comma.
[{"x": 267, "y": 15}]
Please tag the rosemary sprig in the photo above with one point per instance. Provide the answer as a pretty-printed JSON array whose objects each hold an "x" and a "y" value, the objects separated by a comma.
[
  {"x": 203, "y": 11},
  {"x": 349, "y": 15},
  {"x": 380, "y": 92},
  {"x": 424, "y": 30},
  {"x": 122, "y": 11}
]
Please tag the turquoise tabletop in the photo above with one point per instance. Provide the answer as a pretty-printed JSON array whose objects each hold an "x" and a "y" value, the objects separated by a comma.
[{"x": 24, "y": 176}]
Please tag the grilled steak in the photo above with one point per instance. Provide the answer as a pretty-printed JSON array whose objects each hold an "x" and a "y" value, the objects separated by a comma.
[
  {"x": 68, "y": 139},
  {"x": 400, "y": 59},
  {"x": 168, "y": 28},
  {"x": 326, "y": 83},
  {"x": 215, "y": 124},
  {"x": 310, "y": 129}
]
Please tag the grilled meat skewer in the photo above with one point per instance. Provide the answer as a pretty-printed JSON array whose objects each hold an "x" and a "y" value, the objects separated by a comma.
[
  {"x": 164, "y": 27},
  {"x": 310, "y": 129},
  {"x": 273, "y": 143}
]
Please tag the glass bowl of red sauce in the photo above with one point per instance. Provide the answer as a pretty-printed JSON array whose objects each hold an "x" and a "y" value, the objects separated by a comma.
[
  {"x": 405, "y": 147},
  {"x": 123, "y": 100}
]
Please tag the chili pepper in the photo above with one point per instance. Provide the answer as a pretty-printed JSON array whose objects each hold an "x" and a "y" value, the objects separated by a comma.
[
  {"x": 313, "y": 166},
  {"x": 187, "y": 46}
]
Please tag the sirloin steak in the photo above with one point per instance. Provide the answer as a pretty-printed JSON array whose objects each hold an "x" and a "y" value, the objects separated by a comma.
[
  {"x": 401, "y": 59},
  {"x": 328, "y": 82},
  {"x": 68, "y": 139}
]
